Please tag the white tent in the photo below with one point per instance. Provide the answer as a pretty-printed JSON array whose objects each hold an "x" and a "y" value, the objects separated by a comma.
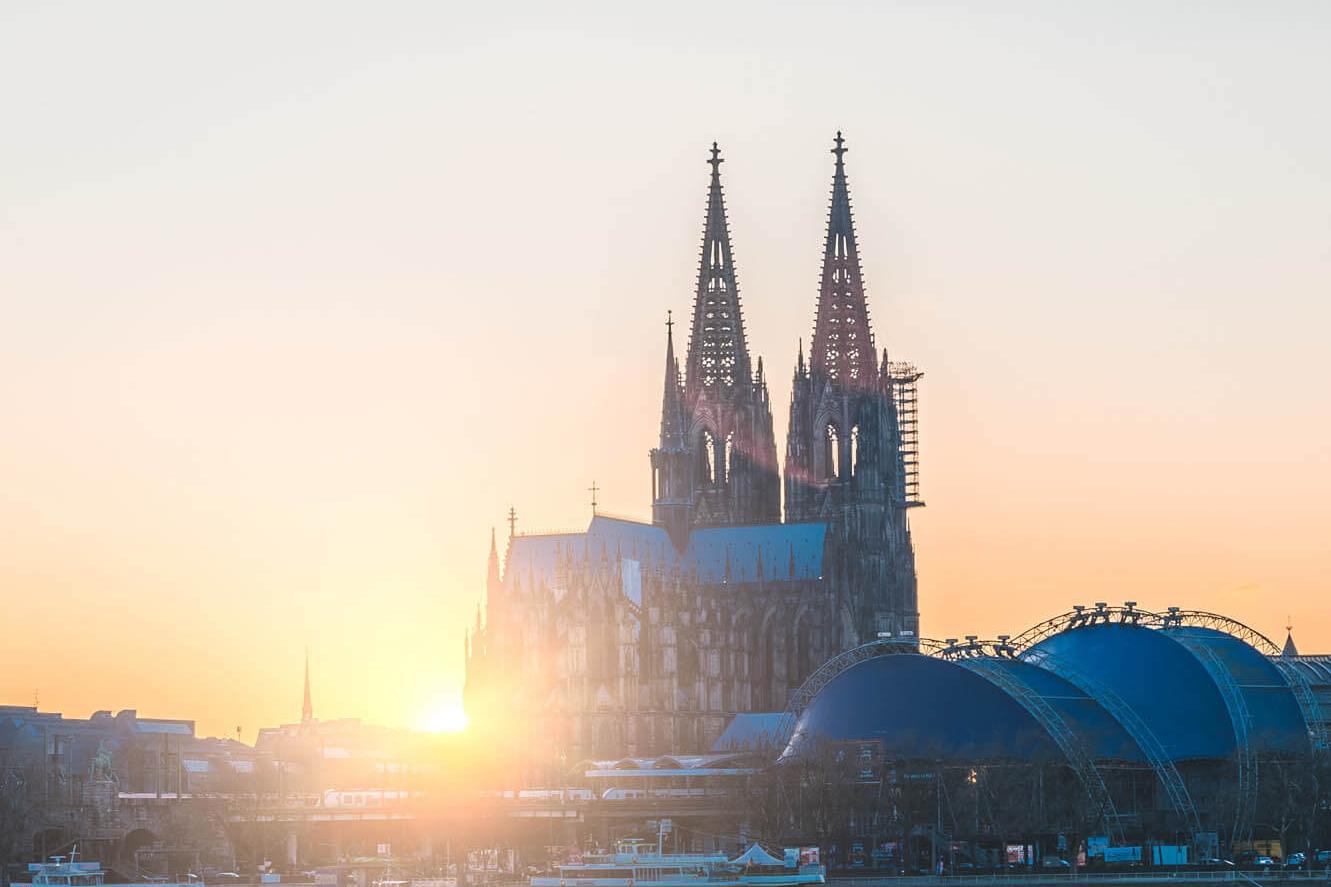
[{"x": 756, "y": 855}]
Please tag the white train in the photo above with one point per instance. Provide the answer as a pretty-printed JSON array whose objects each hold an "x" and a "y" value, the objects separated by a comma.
[
  {"x": 627, "y": 794},
  {"x": 562, "y": 795},
  {"x": 366, "y": 797}
]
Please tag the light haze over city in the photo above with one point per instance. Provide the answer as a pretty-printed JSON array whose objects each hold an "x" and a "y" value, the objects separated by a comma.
[{"x": 298, "y": 300}]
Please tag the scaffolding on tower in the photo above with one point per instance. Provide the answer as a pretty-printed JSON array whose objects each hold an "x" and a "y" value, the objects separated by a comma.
[{"x": 905, "y": 395}]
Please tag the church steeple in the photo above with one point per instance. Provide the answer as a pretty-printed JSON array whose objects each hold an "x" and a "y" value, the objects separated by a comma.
[
  {"x": 672, "y": 485},
  {"x": 717, "y": 461},
  {"x": 672, "y": 406},
  {"x": 307, "y": 707},
  {"x": 844, "y": 458},
  {"x": 843, "y": 347},
  {"x": 718, "y": 356},
  {"x": 492, "y": 580}
]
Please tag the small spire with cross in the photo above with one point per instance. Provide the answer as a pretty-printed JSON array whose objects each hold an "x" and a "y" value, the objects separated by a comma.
[
  {"x": 670, "y": 322},
  {"x": 593, "y": 489},
  {"x": 512, "y": 522},
  {"x": 716, "y": 160},
  {"x": 839, "y": 149}
]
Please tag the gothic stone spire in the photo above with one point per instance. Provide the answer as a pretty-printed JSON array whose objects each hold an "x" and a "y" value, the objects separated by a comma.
[
  {"x": 492, "y": 579},
  {"x": 718, "y": 357},
  {"x": 843, "y": 347},
  {"x": 307, "y": 707},
  {"x": 672, "y": 409}
]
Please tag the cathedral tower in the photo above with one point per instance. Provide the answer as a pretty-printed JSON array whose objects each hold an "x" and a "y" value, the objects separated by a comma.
[
  {"x": 718, "y": 463},
  {"x": 672, "y": 479},
  {"x": 843, "y": 455}
]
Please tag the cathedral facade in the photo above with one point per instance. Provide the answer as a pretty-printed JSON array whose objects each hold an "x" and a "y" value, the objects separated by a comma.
[{"x": 636, "y": 638}]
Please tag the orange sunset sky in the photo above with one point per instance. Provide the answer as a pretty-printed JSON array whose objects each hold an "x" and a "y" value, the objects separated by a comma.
[{"x": 296, "y": 299}]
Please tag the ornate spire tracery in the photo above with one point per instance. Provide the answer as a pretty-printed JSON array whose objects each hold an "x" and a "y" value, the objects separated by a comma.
[
  {"x": 718, "y": 357},
  {"x": 842, "y": 347}
]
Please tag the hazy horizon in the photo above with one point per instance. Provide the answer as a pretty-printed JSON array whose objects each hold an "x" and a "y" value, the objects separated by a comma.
[{"x": 298, "y": 300}]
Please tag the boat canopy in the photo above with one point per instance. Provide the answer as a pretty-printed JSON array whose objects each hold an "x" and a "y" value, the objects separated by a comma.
[{"x": 756, "y": 855}]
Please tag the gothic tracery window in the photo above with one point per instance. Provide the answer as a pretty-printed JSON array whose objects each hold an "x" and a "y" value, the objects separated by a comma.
[
  {"x": 833, "y": 453},
  {"x": 707, "y": 457}
]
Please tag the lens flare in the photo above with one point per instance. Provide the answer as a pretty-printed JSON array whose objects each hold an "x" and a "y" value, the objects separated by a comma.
[{"x": 444, "y": 717}]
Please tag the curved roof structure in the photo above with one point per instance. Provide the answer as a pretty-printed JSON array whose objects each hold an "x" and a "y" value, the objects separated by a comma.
[
  {"x": 1259, "y": 692},
  {"x": 1098, "y": 732},
  {"x": 922, "y": 707},
  {"x": 1092, "y": 686},
  {"x": 1153, "y": 675}
]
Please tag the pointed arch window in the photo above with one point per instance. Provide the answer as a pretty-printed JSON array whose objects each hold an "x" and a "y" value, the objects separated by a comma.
[
  {"x": 707, "y": 457},
  {"x": 729, "y": 460},
  {"x": 854, "y": 450},
  {"x": 832, "y": 452}
]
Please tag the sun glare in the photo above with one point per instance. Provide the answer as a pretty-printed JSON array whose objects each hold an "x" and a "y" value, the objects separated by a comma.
[{"x": 444, "y": 717}]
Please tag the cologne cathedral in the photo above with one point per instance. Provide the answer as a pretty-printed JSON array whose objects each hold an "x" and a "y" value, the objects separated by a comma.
[{"x": 636, "y": 638}]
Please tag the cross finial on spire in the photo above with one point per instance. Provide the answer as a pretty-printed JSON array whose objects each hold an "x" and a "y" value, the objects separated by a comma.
[
  {"x": 670, "y": 323},
  {"x": 839, "y": 149},
  {"x": 717, "y": 160},
  {"x": 512, "y": 521},
  {"x": 593, "y": 489}
]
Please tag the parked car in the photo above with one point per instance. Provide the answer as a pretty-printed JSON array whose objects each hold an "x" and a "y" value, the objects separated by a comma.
[
  {"x": 1056, "y": 863},
  {"x": 1295, "y": 861}
]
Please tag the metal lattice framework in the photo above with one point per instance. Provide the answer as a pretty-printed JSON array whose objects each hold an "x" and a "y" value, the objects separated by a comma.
[
  {"x": 1308, "y": 704},
  {"x": 800, "y": 699},
  {"x": 982, "y": 657},
  {"x": 1074, "y": 750},
  {"x": 905, "y": 393},
  {"x": 1130, "y": 614},
  {"x": 1176, "y": 617},
  {"x": 977, "y": 656},
  {"x": 1163, "y": 765},
  {"x": 1241, "y": 720}
]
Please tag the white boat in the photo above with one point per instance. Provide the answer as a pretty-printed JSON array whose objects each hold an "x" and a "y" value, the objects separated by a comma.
[
  {"x": 638, "y": 864},
  {"x": 62, "y": 872}
]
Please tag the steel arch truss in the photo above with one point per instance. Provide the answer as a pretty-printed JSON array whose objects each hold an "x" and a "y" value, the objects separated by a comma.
[
  {"x": 1303, "y": 692},
  {"x": 1241, "y": 720},
  {"x": 1163, "y": 765},
  {"x": 800, "y": 699},
  {"x": 1176, "y": 617},
  {"x": 979, "y": 657},
  {"x": 1074, "y": 750},
  {"x": 1130, "y": 614}
]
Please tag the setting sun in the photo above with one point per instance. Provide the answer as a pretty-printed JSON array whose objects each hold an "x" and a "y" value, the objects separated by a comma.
[{"x": 444, "y": 717}]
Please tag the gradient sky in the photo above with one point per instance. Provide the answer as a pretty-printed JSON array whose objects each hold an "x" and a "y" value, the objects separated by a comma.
[{"x": 296, "y": 299}]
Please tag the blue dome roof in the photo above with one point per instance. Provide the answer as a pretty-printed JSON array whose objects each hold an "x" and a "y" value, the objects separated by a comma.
[
  {"x": 1275, "y": 721},
  {"x": 1127, "y": 691},
  {"x": 1099, "y": 733},
  {"x": 1164, "y": 684},
  {"x": 921, "y": 707}
]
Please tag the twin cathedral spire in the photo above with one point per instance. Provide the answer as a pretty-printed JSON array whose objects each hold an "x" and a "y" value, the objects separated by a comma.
[{"x": 716, "y": 463}]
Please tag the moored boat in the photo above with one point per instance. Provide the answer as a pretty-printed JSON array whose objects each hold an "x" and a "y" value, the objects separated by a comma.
[
  {"x": 70, "y": 872},
  {"x": 637, "y": 864}
]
